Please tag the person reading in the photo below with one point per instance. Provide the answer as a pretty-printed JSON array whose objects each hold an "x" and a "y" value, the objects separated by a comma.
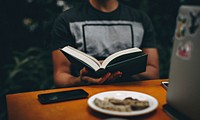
[{"x": 100, "y": 28}]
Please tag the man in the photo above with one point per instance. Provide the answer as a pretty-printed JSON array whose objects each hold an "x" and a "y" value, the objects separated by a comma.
[{"x": 100, "y": 28}]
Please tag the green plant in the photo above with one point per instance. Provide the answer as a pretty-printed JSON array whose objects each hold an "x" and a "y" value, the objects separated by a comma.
[{"x": 31, "y": 70}]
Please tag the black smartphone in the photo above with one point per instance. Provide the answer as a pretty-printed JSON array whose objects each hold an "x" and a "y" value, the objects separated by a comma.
[
  {"x": 165, "y": 85},
  {"x": 62, "y": 96}
]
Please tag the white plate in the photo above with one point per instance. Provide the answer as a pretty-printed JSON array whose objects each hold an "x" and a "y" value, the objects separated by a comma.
[{"x": 153, "y": 103}]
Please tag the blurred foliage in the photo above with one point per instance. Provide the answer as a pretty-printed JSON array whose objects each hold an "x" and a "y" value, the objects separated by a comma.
[
  {"x": 29, "y": 71},
  {"x": 25, "y": 27}
]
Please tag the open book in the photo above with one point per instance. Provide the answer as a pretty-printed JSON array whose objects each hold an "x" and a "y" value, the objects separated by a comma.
[{"x": 129, "y": 61}]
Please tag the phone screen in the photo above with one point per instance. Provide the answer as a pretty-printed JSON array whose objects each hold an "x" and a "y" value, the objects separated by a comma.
[{"x": 62, "y": 96}]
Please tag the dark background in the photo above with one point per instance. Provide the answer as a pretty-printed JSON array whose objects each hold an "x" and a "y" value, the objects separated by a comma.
[{"x": 25, "y": 26}]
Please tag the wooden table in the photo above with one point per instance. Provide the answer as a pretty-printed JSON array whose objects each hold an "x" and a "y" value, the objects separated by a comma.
[{"x": 25, "y": 106}]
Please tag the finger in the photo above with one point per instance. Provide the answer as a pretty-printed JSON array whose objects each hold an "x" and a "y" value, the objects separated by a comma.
[
  {"x": 88, "y": 79},
  {"x": 97, "y": 81},
  {"x": 104, "y": 78},
  {"x": 115, "y": 75},
  {"x": 83, "y": 71}
]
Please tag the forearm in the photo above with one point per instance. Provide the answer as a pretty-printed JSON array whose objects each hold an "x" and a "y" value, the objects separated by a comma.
[
  {"x": 63, "y": 79},
  {"x": 150, "y": 73},
  {"x": 152, "y": 69},
  {"x": 62, "y": 71}
]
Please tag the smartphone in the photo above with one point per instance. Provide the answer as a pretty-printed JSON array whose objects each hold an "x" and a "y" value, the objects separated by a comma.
[
  {"x": 62, "y": 96},
  {"x": 165, "y": 85}
]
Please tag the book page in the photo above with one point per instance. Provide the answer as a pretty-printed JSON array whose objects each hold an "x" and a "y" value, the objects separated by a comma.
[
  {"x": 117, "y": 54},
  {"x": 89, "y": 56},
  {"x": 89, "y": 60}
]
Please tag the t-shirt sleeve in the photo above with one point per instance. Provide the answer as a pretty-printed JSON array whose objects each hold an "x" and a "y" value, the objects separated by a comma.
[
  {"x": 60, "y": 34},
  {"x": 149, "y": 38}
]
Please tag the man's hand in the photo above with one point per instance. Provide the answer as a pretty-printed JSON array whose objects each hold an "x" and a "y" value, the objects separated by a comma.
[{"x": 100, "y": 80}]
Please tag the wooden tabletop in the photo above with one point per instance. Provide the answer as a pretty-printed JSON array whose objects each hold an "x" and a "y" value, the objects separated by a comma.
[{"x": 25, "y": 106}]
